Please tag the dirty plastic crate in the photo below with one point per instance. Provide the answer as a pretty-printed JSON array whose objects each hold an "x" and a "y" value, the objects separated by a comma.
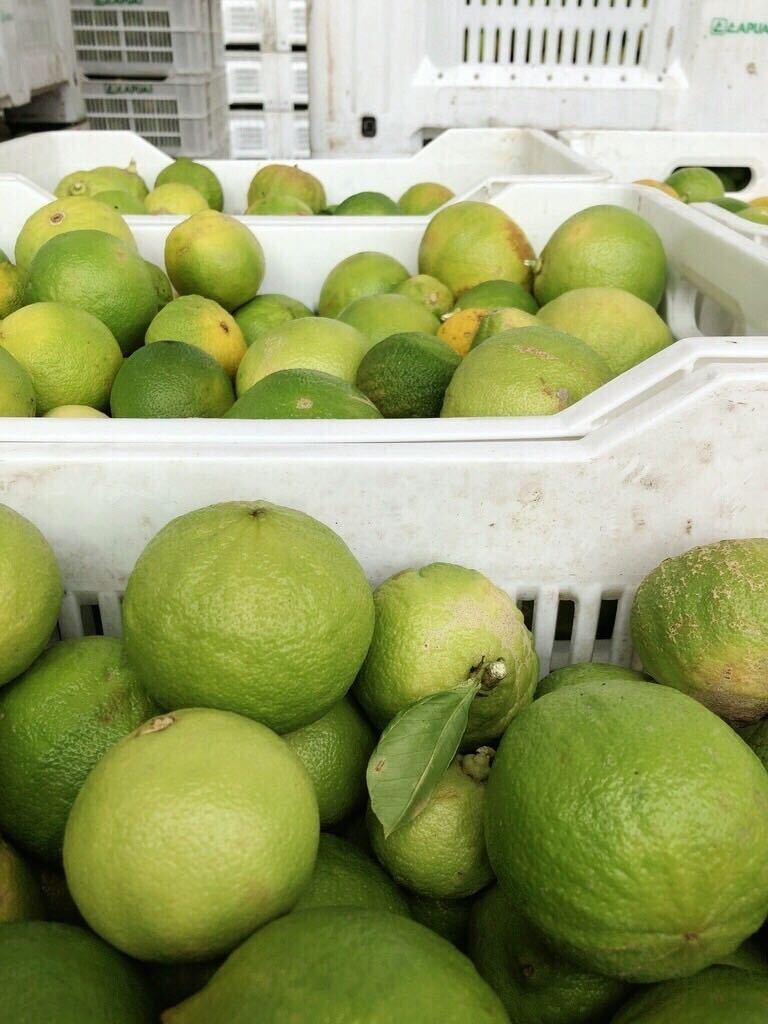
[
  {"x": 183, "y": 116},
  {"x": 147, "y": 37},
  {"x": 278, "y": 81},
  {"x": 36, "y": 52},
  {"x": 273, "y": 25}
]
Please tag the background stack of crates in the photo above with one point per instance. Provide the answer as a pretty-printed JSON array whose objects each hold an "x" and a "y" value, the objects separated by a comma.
[
  {"x": 155, "y": 67},
  {"x": 267, "y": 77}
]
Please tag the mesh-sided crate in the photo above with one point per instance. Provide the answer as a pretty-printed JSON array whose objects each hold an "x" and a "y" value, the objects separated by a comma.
[
  {"x": 256, "y": 134},
  {"x": 273, "y": 25},
  {"x": 147, "y": 37},
  {"x": 185, "y": 116},
  {"x": 277, "y": 80}
]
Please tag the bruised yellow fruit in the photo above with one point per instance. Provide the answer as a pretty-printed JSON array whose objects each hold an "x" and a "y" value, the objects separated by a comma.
[{"x": 460, "y": 328}]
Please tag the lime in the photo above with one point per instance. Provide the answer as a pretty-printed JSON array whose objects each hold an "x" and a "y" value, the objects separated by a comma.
[
  {"x": 429, "y": 292},
  {"x": 100, "y": 274},
  {"x": 188, "y": 172},
  {"x": 730, "y": 203},
  {"x": 56, "y": 721},
  {"x": 423, "y": 198},
  {"x": 585, "y": 672},
  {"x": 76, "y": 213},
  {"x": 12, "y": 284},
  {"x": 213, "y": 255},
  {"x": 103, "y": 179},
  {"x": 335, "y": 751},
  {"x": 435, "y": 628},
  {"x": 123, "y": 202},
  {"x": 621, "y": 328},
  {"x": 63, "y": 974},
  {"x": 175, "y": 198},
  {"x": 449, "y": 918},
  {"x": 367, "y": 204},
  {"x": 20, "y": 895},
  {"x": 534, "y": 983},
  {"x": 277, "y": 205},
  {"x": 530, "y": 371},
  {"x": 30, "y": 593},
  {"x": 171, "y": 380},
  {"x": 281, "y": 180},
  {"x": 17, "y": 393},
  {"x": 675, "y": 875},
  {"x": 345, "y": 877},
  {"x": 602, "y": 247},
  {"x": 756, "y": 214},
  {"x": 468, "y": 243},
  {"x": 75, "y": 412},
  {"x": 335, "y": 965},
  {"x": 498, "y": 295},
  {"x": 379, "y": 316},
  {"x": 204, "y": 324},
  {"x": 660, "y": 186},
  {"x": 303, "y": 395},
  {"x": 221, "y": 594},
  {"x": 163, "y": 288},
  {"x": 267, "y": 311},
  {"x": 700, "y": 623},
  {"x": 496, "y": 321},
  {"x": 311, "y": 343},
  {"x": 406, "y": 374},
  {"x": 696, "y": 184},
  {"x": 364, "y": 273},
  {"x": 144, "y": 864},
  {"x": 71, "y": 357},
  {"x": 720, "y": 995}
]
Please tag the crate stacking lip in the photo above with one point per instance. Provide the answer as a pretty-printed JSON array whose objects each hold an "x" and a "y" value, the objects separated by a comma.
[
  {"x": 266, "y": 23},
  {"x": 276, "y": 80},
  {"x": 259, "y": 134}
]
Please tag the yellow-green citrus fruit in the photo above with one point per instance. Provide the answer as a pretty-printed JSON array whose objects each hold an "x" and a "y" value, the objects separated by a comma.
[
  {"x": 248, "y": 607},
  {"x": 71, "y": 356},
  {"x": 432, "y": 294},
  {"x": 367, "y": 204},
  {"x": 468, "y": 243},
  {"x": 30, "y": 593},
  {"x": 123, "y": 202},
  {"x": 363, "y": 273},
  {"x": 204, "y": 324},
  {"x": 267, "y": 311},
  {"x": 311, "y": 343},
  {"x": 441, "y": 852},
  {"x": 719, "y": 995},
  {"x": 603, "y": 247},
  {"x": 700, "y": 623},
  {"x": 190, "y": 833},
  {"x": 278, "y": 206},
  {"x": 13, "y": 281},
  {"x": 660, "y": 186},
  {"x": 281, "y": 180},
  {"x": 379, "y": 316},
  {"x": 497, "y": 321},
  {"x": 60, "y": 973},
  {"x": 20, "y": 895},
  {"x": 17, "y": 393},
  {"x": 339, "y": 965},
  {"x": 213, "y": 255},
  {"x": 449, "y": 918},
  {"x": 175, "y": 198},
  {"x": 423, "y": 198},
  {"x": 100, "y": 274},
  {"x": 303, "y": 395},
  {"x": 345, "y": 877},
  {"x": 585, "y": 672},
  {"x": 56, "y": 722},
  {"x": 529, "y": 371},
  {"x": 188, "y": 172},
  {"x": 534, "y": 983},
  {"x": 171, "y": 380},
  {"x": 731, "y": 204},
  {"x": 102, "y": 179},
  {"x": 621, "y": 328},
  {"x": 435, "y": 627},
  {"x": 675, "y": 875},
  {"x": 335, "y": 750},
  {"x": 75, "y": 412},
  {"x": 76, "y": 213},
  {"x": 696, "y": 184},
  {"x": 497, "y": 295},
  {"x": 406, "y": 374},
  {"x": 163, "y": 288},
  {"x": 756, "y": 214}
]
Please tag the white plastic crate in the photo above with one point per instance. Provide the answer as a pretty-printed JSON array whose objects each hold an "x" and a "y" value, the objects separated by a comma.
[
  {"x": 258, "y": 134},
  {"x": 36, "y": 51},
  {"x": 279, "y": 81},
  {"x": 181, "y": 116},
  {"x": 147, "y": 37},
  {"x": 273, "y": 25},
  {"x": 384, "y": 75}
]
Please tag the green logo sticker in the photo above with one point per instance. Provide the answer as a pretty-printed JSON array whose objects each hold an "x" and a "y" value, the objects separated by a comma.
[{"x": 726, "y": 27}]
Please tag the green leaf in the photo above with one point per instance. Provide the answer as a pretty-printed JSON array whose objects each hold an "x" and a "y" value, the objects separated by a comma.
[{"x": 414, "y": 752}]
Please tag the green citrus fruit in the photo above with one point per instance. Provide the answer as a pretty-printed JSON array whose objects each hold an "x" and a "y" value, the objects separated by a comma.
[
  {"x": 756, "y": 214},
  {"x": 379, "y": 316},
  {"x": 529, "y": 371},
  {"x": 63, "y": 974},
  {"x": 102, "y": 179},
  {"x": 71, "y": 356},
  {"x": 204, "y": 324},
  {"x": 310, "y": 343},
  {"x": 435, "y": 628},
  {"x": 449, "y": 918},
  {"x": 76, "y": 213},
  {"x": 720, "y": 995},
  {"x": 100, "y": 274},
  {"x": 335, "y": 751},
  {"x": 363, "y": 273},
  {"x": 756, "y": 735},
  {"x": 17, "y": 393},
  {"x": 20, "y": 895},
  {"x": 629, "y": 825},
  {"x": 700, "y": 623},
  {"x": 345, "y": 877},
  {"x": 248, "y": 607},
  {"x": 267, "y": 311},
  {"x": 278, "y": 206},
  {"x": 621, "y": 328},
  {"x": 13, "y": 282},
  {"x": 441, "y": 852},
  {"x": 281, "y": 180},
  {"x": 163, "y": 288},
  {"x": 171, "y": 380},
  {"x": 585, "y": 672},
  {"x": 730, "y": 203},
  {"x": 406, "y": 374},
  {"x": 213, "y": 255},
  {"x": 496, "y": 321},
  {"x": 190, "y": 833},
  {"x": 367, "y": 204},
  {"x": 175, "y": 198},
  {"x": 535, "y": 984},
  {"x": 429, "y": 292},
  {"x": 423, "y": 198},
  {"x": 188, "y": 172},
  {"x": 603, "y": 247},
  {"x": 123, "y": 202},
  {"x": 341, "y": 965},
  {"x": 498, "y": 295},
  {"x": 303, "y": 395},
  {"x": 696, "y": 184},
  {"x": 56, "y": 721},
  {"x": 75, "y": 412},
  {"x": 468, "y": 243}
]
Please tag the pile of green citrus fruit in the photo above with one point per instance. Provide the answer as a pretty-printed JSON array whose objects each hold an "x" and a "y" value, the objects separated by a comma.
[
  {"x": 712, "y": 185},
  {"x": 484, "y": 328},
  {"x": 256, "y": 805}
]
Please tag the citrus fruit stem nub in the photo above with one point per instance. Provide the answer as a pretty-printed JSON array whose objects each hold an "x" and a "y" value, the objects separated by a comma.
[
  {"x": 493, "y": 675},
  {"x": 155, "y": 725},
  {"x": 478, "y": 765}
]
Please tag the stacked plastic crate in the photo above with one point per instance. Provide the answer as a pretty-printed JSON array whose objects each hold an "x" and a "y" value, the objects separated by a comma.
[
  {"x": 155, "y": 67},
  {"x": 267, "y": 77}
]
